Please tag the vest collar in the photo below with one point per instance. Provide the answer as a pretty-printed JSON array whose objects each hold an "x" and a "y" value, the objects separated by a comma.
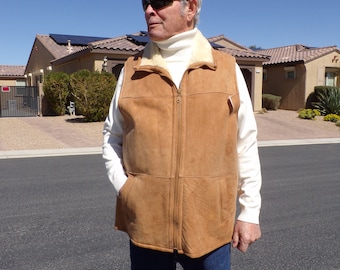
[{"x": 201, "y": 55}]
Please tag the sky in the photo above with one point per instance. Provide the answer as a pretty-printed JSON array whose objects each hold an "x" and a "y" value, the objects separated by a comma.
[{"x": 263, "y": 23}]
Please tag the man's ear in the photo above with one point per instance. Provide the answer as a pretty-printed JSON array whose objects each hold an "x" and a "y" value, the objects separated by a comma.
[{"x": 191, "y": 10}]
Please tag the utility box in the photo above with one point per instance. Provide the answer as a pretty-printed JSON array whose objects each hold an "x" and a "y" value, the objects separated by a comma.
[{"x": 12, "y": 104}]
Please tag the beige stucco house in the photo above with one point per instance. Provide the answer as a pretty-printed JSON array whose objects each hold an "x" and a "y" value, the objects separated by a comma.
[
  {"x": 294, "y": 71},
  {"x": 14, "y": 99},
  {"x": 68, "y": 54},
  {"x": 12, "y": 75}
]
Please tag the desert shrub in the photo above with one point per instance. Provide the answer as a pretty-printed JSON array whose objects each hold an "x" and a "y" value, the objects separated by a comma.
[
  {"x": 92, "y": 93},
  {"x": 270, "y": 102},
  {"x": 337, "y": 123},
  {"x": 311, "y": 99},
  {"x": 328, "y": 100},
  {"x": 308, "y": 113},
  {"x": 331, "y": 117},
  {"x": 56, "y": 91}
]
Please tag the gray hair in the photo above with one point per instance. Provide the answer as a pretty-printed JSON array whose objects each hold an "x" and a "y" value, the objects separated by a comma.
[{"x": 199, "y": 7}]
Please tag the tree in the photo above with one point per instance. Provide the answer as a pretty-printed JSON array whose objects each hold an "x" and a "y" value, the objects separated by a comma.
[
  {"x": 56, "y": 91},
  {"x": 92, "y": 93}
]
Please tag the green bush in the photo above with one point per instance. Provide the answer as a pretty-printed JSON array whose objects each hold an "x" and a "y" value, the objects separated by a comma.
[
  {"x": 270, "y": 102},
  {"x": 328, "y": 100},
  {"x": 332, "y": 117},
  {"x": 92, "y": 93},
  {"x": 308, "y": 113},
  {"x": 337, "y": 123},
  {"x": 56, "y": 91}
]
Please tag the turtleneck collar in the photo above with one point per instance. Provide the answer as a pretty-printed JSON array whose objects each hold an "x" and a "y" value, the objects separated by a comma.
[
  {"x": 178, "y": 42},
  {"x": 199, "y": 51}
]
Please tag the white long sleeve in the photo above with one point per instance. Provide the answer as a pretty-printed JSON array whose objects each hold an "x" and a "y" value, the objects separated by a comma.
[
  {"x": 250, "y": 179},
  {"x": 113, "y": 138}
]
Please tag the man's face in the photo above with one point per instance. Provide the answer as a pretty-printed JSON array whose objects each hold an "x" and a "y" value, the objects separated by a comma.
[{"x": 169, "y": 21}]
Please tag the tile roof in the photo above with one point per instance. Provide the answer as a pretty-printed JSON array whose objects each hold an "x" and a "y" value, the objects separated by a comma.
[
  {"x": 245, "y": 54},
  {"x": 238, "y": 50},
  {"x": 58, "y": 51},
  {"x": 296, "y": 53},
  {"x": 12, "y": 71},
  {"x": 122, "y": 43},
  {"x": 131, "y": 44},
  {"x": 128, "y": 43}
]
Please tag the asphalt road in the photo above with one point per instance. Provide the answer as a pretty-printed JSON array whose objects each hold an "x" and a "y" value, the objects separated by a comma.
[{"x": 58, "y": 212}]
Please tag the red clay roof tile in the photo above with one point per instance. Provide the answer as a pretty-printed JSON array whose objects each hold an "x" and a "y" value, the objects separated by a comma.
[
  {"x": 12, "y": 71},
  {"x": 295, "y": 53}
]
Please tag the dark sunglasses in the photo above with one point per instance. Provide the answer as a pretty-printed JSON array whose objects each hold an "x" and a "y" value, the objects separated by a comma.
[{"x": 156, "y": 4}]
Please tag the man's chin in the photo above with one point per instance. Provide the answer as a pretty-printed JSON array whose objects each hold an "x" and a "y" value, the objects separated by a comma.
[{"x": 157, "y": 35}]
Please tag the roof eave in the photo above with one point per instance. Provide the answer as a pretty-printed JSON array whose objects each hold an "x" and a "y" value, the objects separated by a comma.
[
  {"x": 69, "y": 57},
  {"x": 284, "y": 63},
  {"x": 118, "y": 51}
]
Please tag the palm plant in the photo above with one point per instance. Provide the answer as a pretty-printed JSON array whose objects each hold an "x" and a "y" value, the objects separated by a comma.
[{"x": 328, "y": 101}]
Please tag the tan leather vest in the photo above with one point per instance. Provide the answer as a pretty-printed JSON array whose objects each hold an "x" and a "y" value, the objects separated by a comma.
[{"x": 180, "y": 155}]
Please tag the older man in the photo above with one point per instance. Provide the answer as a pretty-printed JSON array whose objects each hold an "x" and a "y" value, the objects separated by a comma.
[{"x": 180, "y": 146}]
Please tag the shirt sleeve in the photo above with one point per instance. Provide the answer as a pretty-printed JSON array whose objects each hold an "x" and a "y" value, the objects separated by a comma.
[
  {"x": 112, "y": 142},
  {"x": 250, "y": 179}
]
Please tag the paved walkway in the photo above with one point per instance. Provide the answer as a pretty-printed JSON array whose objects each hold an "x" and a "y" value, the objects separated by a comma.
[{"x": 69, "y": 135}]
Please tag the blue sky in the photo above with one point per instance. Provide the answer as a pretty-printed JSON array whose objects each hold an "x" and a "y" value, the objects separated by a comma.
[{"x": 264, "y": 23}]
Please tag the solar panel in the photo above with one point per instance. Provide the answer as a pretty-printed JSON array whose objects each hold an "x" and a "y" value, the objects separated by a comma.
[
  {"x": 75, "y": 40},
  {"x": 139, "y": 40},
  {"x": 216, "y": 46}
]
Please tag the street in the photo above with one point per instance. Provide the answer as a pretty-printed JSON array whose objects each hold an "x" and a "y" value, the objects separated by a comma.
[{"x": 58, "y": 213}]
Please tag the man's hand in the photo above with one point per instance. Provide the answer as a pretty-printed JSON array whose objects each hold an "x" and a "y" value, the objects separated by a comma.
[{"x": 245, "y": 234}]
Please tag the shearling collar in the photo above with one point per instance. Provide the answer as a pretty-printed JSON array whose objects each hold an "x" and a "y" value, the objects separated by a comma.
[{"x": 201, "y": 54}]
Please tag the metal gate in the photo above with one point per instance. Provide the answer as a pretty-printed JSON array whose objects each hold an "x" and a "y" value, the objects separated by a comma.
[{"x": 19, "y": 101}]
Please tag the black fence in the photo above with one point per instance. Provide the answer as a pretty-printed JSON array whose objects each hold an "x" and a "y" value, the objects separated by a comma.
[{"x": 19, "y": 101}]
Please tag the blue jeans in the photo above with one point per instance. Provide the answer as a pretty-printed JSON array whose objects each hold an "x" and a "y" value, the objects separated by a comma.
[{"x": 147, "y": 259}]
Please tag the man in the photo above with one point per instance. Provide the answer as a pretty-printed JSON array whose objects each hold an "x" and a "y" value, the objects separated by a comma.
[{"x": 179, "y": 145}]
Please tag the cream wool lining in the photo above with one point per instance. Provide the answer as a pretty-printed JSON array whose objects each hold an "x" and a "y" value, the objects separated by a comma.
[{"x": 201, "y": 53}]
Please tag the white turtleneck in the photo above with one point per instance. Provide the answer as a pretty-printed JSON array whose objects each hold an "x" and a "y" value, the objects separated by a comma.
[{"x": 176, "y": 52}]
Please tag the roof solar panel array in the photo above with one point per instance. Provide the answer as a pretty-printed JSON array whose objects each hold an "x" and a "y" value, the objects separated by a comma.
[
  {"x": 139, "y": 40},
  {"x": 75, "y": 40}
]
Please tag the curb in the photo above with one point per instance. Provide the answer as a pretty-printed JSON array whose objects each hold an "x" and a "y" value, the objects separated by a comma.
[
  {"x": 98, "y": 150},
  {"x": 298, "y": 142},
  {"x": 50, "y": 152}
]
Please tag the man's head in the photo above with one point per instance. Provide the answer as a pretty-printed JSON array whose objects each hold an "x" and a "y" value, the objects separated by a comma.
[{"x": 170, "y": 17}]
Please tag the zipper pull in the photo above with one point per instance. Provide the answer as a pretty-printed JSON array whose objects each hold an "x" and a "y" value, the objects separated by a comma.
[{"x": 178, "y": 99}]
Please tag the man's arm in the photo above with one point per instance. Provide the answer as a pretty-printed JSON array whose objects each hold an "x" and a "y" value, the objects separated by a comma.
[
  {"x": 247, "y": 229},
  {"x": 112, "y": 143}
]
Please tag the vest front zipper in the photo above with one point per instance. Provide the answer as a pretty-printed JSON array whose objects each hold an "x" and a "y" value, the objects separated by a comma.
[{"x": 177, "y": 194}]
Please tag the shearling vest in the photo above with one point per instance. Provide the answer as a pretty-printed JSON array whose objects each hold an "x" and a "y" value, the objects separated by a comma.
[{"x": 180, "y": 155}]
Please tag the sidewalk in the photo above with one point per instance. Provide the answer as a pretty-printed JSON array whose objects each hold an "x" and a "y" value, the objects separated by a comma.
[{"x": 69, "y": 135}]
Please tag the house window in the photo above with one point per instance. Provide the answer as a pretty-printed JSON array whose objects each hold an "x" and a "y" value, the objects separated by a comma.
[
  {"x": 290, "y": 73},
  {"x": 330, "y": 79},
  {"x": 20, "y": 83},
  {"x": 265, "y": 75}
]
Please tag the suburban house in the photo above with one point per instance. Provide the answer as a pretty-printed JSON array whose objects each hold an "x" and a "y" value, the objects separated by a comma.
[
  {"x": 12, "y": 89},
  {"x": 69, "y": 53},
  {"x": 293, "y": 72},
  {"x": 12, "y": 75}
]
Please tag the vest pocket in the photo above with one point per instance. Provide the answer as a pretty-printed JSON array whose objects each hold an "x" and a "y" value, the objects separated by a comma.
[
  {"x": 208, "y": 210},
  {"x": 209, "y": 200},
  {"x": 224, "y": 199},
  {"x": 144, "y": 208},
  {"x": 233, "y": 103}
]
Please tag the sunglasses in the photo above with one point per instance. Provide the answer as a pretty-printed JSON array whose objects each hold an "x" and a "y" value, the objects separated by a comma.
[{"x": 156, "y": 4}]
